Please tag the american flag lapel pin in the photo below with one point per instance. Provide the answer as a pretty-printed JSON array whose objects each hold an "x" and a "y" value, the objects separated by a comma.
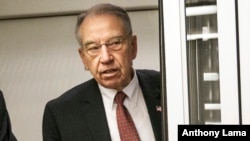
[{"x": 158, "y": 108}]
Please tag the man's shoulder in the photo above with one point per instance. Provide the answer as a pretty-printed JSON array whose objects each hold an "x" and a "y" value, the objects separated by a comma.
[
  {"x": 75, "y": 93},
  {"x": 148, "y": 73},
  {"x": 149, "y": 76}
]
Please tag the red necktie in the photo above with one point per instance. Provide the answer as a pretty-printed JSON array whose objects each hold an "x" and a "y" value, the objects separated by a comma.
[{"x": 125, "y": 123}]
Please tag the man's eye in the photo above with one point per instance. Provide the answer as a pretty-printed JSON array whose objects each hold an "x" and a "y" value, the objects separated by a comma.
[
  {"x": 115, "y": 43},
  {"x": 93, "y": 48}
]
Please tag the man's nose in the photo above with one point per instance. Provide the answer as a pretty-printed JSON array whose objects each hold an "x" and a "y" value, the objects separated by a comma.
[{"x": 106, "y": 55}]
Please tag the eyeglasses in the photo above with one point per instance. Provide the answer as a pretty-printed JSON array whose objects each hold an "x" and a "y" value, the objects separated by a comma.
[{"x": 114, "y": 44}]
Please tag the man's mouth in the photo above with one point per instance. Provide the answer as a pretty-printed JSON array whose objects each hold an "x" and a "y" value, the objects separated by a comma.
[{"x": 109, "y": 72}]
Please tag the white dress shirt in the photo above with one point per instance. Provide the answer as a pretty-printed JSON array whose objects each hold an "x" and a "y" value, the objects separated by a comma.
[{"x": 136, "y": 106}]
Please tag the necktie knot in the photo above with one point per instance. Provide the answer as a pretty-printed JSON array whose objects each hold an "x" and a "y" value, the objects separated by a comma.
[{"x": 120, "y": 97}]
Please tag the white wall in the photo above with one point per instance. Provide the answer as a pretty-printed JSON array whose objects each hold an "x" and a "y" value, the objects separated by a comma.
[
  {"x": 39, "y": 61},
  {"x": 27, "y": 8}
]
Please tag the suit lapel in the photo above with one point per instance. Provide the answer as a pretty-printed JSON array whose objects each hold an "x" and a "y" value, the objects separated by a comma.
[
  {"x": 151, "y": 94},
  {"x": 94, "y": 114}
]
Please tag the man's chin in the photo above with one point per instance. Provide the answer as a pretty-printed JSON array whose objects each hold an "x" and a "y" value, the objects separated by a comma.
[{"x": 111, "y": 85}]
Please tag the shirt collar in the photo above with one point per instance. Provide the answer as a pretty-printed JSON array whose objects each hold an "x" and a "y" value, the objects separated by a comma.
[{"x": 131, "y": 90}]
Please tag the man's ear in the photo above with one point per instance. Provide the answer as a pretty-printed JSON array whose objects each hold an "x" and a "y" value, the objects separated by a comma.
[{"x": 134, "y": 46}]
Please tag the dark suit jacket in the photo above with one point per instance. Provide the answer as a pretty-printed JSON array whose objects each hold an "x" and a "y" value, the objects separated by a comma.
[
  {"x": 79, "y": 115},
  {"x": 5, "y": 125}
]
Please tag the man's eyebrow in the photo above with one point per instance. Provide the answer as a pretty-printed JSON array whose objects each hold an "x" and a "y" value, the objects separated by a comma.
[
  {"x": 89, "y": 43},
  {"x": 93, "y": 42},
  {"x": 115, "y": 37}
]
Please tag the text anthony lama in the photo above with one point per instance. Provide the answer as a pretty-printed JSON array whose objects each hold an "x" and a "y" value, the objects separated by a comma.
[{"x": 215, "y": 134}]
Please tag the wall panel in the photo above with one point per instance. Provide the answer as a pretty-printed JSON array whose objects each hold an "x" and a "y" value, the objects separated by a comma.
[{"x": 31, "y": 8}]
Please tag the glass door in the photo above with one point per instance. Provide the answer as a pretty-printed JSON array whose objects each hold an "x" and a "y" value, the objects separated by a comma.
[
  {"x": 203, "y": 61},
  {"x": 211, "y": 57},
  {"x": 200, "y": 47}
]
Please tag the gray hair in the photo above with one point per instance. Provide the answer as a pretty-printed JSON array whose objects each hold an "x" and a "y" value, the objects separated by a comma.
[{"x": 100, "y": 9}]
